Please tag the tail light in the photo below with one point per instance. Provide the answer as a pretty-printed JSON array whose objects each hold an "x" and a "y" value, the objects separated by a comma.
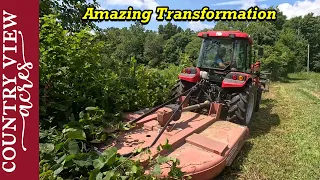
[
  {"x": 189, "y": 70},
  {"x": 234, "y": 77}
]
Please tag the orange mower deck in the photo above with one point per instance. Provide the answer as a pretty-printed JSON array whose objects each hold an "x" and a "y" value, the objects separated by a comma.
[{"x": 204, "y": 144}]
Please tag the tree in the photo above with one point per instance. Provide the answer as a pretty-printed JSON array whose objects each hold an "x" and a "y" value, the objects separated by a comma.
[
  {"x": 231, "y": 25},
  {"x": 308, "y": 26},
  {"x": 281, "y": 18},
  {"x": 69, "y": 12},
  {"x": 174, "y": 46},
  {"x": 263, "y": 33},
  {"x": 153, "y": 48},
  {"x": 193, "y": 49},
  {"x": 169, "y": 30},
  {"x": 131, "y": 44}
]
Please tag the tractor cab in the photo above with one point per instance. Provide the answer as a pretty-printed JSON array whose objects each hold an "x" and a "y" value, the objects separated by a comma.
[
  {"x": 225, "y": 51},
  {"x": 226, "y": 75}
]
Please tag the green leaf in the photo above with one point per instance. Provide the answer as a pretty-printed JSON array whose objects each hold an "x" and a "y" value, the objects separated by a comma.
[
  {"x": 124, "y": 177},
  {"x": 174, "y": 160},
  {"x": 57, "y": 169},
  {"x": 70, "y": 157},
  {"x": 73, "y": 147},
  {"x": 162, "y": 159},
  {"x": 75, "y": 133},
  {"x": 46, "y": 173},
  {"x": 46, "y": 148},
  {"x": 99, "y": 163},
  {"x": 93, "y": 174},
  {"x": 166, "y": 146},
  {"x": 157, "y": 170},
  {"x": 139, "y": 150},
  {"x": 62, "y": 158},
  {"x": 134, "y": 169},
  {"x": 109, "y": 175},
  {"x": 58, "y": 146},
  {"x": 99, "y": 176},
  {"x": 92, "y": 108},
  {"x": 95, "y": 141},
  {"x": 110, "y": 151},
  {"x": 81, "y": 114},
  {"x": 159, "y": 148},
  {"x": 82, "y": 163},
  {"x": 110, "y": 155}
]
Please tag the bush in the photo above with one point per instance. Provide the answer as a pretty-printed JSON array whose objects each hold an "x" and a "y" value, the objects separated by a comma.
[{"x": 76, "y": 79}]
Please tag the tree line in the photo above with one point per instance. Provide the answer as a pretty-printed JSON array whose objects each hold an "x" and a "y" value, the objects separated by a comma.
[{"x": 285, "y": 40}]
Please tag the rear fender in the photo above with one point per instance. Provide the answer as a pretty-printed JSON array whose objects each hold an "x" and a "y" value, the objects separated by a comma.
[
  {"x": 234, "y": 80},
  {"x": 190, "y": 74}
]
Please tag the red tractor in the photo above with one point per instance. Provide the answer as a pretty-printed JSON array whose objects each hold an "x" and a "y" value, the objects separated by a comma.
[
  {"x": 227, "y": 74},
  {"x": 224, "y": 79}
]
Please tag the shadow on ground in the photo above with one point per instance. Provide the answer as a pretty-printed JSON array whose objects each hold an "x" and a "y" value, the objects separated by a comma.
[
  {"x": 290, "y": 79},
  {"x": 261, "y": 124}
]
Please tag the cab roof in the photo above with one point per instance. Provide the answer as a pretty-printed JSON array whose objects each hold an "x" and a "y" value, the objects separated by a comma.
[{"x": 237, "y": 34}]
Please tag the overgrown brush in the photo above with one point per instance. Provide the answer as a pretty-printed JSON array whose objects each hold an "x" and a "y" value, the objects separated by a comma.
[{"x": 75, "y": 75}]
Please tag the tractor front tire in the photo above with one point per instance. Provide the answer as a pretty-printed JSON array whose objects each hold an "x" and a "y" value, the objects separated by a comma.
[
  {"x": 258, "y": 100},
  {"x": 241, "y": 106},
  {"x": 178, "y": 89}
]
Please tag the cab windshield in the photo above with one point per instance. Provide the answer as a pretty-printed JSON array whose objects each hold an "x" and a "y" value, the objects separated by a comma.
[{"x": 221, "y": 53}]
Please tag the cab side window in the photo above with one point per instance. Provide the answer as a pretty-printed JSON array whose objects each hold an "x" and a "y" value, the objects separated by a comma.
[
  {"x": 242, "y": 55},
  {"x": 249, "y": 56}
]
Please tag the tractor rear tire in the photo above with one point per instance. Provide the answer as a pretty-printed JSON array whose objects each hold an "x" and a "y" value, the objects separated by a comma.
[{"x": 241, "y": 106}]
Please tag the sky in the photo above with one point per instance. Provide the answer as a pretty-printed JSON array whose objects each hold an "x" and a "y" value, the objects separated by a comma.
[{"x": 290, "y": 8}]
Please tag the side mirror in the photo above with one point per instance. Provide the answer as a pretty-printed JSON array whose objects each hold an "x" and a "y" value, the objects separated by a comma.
[{"x": 260, "y": 52}]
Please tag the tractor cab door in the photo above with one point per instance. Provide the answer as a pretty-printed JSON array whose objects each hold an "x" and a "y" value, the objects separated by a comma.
[
  {"x": 243, "y": 56},
  {"x": 249, "y": 57}
]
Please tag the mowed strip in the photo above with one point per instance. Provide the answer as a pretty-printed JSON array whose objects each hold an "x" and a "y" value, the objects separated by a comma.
[{"x": 285, "y": 135}]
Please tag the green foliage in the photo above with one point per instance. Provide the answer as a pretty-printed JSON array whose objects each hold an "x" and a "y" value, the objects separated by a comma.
[
  {"x": 76, "y": 79},
  {"x": 174, "y": 46},
  {"x": 69, "y": 12},
  {"x": 308, "y": 26},
  {"x": 75, "y": 74},
  {"x": 132, "y": 43},
  {"x": 169, "y": 30},
  {"x": 193, "y": 49},
  {"x": 67, "y": 154},
  {"x": 153, "y": 48}
]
